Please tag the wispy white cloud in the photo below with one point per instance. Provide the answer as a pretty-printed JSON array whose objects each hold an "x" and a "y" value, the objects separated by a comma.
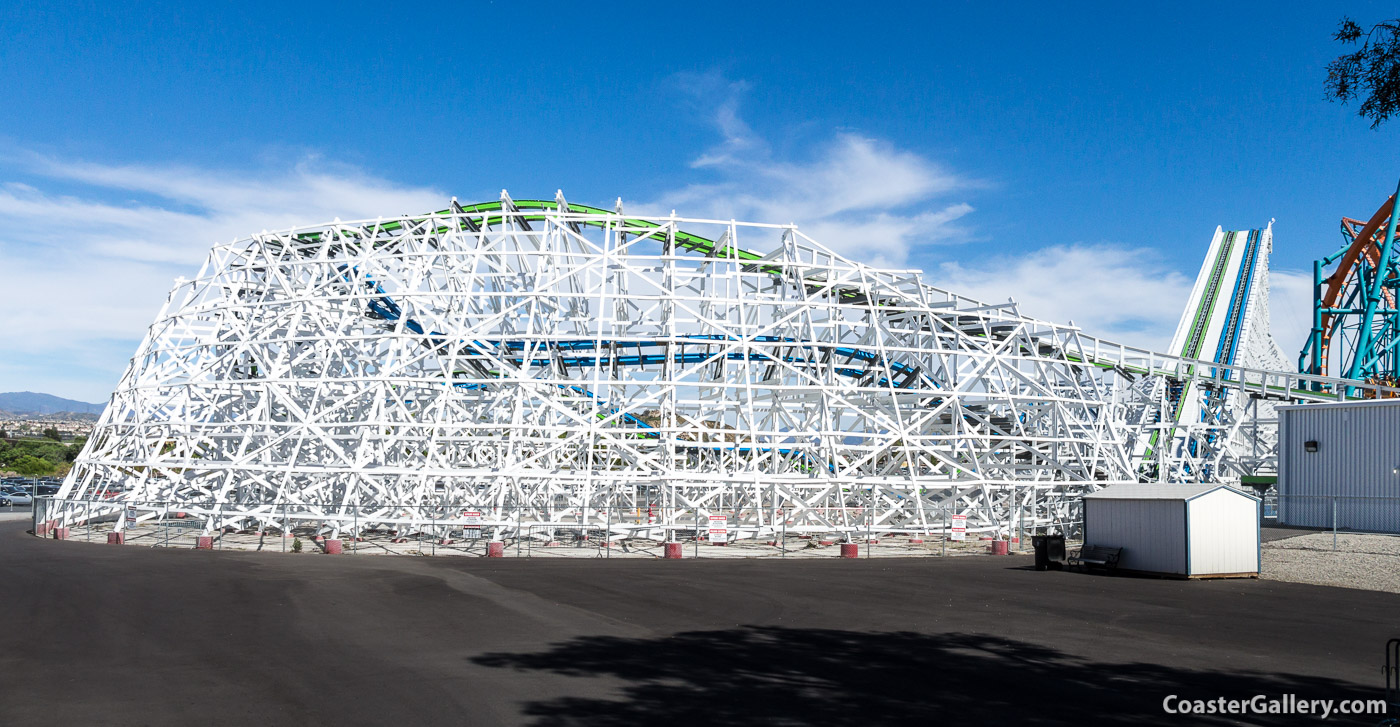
[
  {"x": 1290, "y": 309},
  {"x": 1110, "y": 291},
  {"x": 1116, "y": 292},
  {"x": 191, "y": 207},
  {"x": 858, "y": 195},
  {"x": 737, "y": 137},
  {"x": 87, "y": 269},
  {"x": 883, "y": 205}
]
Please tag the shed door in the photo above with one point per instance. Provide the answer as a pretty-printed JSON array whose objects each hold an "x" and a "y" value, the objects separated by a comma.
[{"x": 1224, "y": 531}]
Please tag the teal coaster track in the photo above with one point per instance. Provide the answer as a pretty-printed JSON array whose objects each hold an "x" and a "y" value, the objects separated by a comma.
[{"x": 1356, "y": 321}]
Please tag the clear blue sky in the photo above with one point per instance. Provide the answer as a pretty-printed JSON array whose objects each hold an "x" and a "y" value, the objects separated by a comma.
[{"x": 1060, "y": 128}]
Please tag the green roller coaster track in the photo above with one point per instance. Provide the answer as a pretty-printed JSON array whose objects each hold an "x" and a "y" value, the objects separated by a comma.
[
  {"x": 475, "y": 216},
  {"x": 1205, "y": 308}
]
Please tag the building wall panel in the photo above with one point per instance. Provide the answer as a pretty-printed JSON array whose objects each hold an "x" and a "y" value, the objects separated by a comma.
[
  {"x": 1353, "y": 471},
  {"x": 1152, "y": 533}
]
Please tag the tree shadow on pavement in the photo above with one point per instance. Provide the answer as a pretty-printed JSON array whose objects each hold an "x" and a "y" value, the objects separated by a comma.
[{"x": 782, "y": 676}]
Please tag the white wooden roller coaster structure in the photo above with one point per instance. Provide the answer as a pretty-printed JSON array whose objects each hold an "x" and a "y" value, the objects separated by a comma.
[{"x": 545, "y": 363}]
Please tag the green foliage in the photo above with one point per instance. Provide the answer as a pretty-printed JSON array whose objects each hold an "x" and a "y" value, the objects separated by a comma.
[
  {"x": 31, "y": 466},
  {"x": 1371, "y": 72},
  {"x": 296, "y": 545},
  {"x": 53, "y": 433},
  {"x": 56, "y": 454}
]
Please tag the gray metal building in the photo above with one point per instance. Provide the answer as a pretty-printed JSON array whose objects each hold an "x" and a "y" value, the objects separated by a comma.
[
  {"x": 1198, "y": 530},
  {"x": 1340, "y": 460}
]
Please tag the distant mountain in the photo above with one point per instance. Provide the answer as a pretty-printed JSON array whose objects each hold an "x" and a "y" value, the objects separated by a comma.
[{"x": 28, "y": 402}]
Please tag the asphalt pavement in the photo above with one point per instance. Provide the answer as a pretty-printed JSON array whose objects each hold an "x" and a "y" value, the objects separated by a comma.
[
  {"x": 124, "y": 635},
  {"x": 1270, "y": 534},
  {"x": 12, "y": 512}
]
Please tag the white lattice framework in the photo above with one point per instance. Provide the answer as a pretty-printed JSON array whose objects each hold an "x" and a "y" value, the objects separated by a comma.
[
  {"x": 1225, "y": 321},
  {"x": 553, "y": 364}
]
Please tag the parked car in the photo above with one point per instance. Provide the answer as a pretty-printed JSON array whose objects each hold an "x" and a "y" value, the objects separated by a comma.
[
  {"x": 5, "y": 501},
  {"x": 19, "y": 498}
]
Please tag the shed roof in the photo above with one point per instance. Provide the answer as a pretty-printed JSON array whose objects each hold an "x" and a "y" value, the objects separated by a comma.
[{"x": 1161, "y": 492}]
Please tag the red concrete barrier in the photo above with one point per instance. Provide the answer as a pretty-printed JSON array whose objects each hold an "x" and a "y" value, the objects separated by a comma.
[
  {"x": 850, "y": 550},
  {"x": 60, "y": 533},
  {"x": 495, "y": 549},
  {"x": 42, "y": 529},
  {"x": 915, "y": 541},
  {"x": 333, "y": 546},
  {"x": 204, "y": 542},
  {"x": 1000, "y": 547},
  {"x": 116, "y": 538},
  {"x": 673, "y": 550}
]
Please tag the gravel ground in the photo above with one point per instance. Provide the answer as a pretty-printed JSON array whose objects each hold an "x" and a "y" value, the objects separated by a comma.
[{"x": 1365, "y": 561}]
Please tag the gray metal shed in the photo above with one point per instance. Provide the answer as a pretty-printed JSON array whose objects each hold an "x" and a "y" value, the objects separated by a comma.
[
  {"x": 1194, "y": 531},
  {"x": 1340, "y": 461}
]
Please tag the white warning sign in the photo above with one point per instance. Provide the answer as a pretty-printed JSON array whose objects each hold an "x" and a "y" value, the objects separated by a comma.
[
  {"x": 959, "y": 528},
  {"x": 471, "y": 525},
  {"x": 719, "y": 528}
]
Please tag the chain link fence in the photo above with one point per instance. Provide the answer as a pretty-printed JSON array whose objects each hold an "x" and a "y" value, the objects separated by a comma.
[
  {"x": 1348, "y": 542},
  {"x": 1338, "y": 522},
  {"x": 607, "y": 532}
]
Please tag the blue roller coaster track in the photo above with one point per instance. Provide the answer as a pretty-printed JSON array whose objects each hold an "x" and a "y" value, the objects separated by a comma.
[{"x": 384, "y": 307}]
